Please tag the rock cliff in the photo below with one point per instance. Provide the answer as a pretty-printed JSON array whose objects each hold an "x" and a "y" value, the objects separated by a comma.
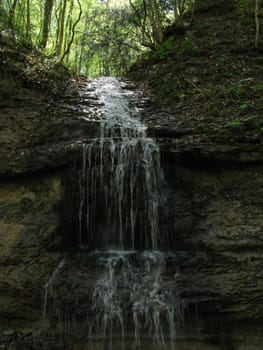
[{"x": 214, "y": 184}]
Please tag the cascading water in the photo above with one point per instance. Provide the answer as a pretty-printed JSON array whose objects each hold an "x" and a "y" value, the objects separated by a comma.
[
  {"x": 119, "y": 287},
  {"x": 134, "y": 295},
  {"x": 120, "y": 180}
]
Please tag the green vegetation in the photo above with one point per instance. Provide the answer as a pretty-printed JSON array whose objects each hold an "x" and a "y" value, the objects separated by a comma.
[
  {"x": 165, "y": 49},
  {"x": 105, "y": 37},
  {"x": 208, "y": 77},
  {"x": 250, "y": 122},
  {"x": 234, "y": 123}
]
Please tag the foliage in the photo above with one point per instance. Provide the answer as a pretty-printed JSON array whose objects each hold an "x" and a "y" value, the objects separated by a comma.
[
  {"x": 245, "y": 4},
  {"x": 166, "y": 48},
  {"x": 258, "y": 88},
  {"x": 89, "y": 36},
  {"x": 250, "y": 119},
  {"x": 108, "y": 43},
  {"x": 187, "y": 46},
  {"x": 236, "y": 123},
  {"x": 237, "y": 89},
  {"x": 104, "y": 37},
  {"x": 250, "y": 122}
]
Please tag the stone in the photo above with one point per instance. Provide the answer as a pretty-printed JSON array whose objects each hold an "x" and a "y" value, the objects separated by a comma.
[
  {"x": 9, "y": 332},
  {"x": 212, "y": 218}
]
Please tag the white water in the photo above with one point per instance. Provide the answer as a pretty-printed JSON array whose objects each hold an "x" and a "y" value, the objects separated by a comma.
[
  {"x": 49, "y": 284},
  {"x": 120, "y": 195},
  {"x": 120, "y": 179},
  {"x": 134, "y": 294}
]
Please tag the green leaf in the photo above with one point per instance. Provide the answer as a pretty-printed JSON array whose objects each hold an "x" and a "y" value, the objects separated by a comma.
[{"x": 234, "y": 124}]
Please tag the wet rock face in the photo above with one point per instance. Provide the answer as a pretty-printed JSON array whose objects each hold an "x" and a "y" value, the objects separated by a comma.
[
  {"x": 38, "y": 133},
  {"x": 29, "y": 230},
  {"x": 212, "y": 218},
  {"x": 217, "y": 218}
]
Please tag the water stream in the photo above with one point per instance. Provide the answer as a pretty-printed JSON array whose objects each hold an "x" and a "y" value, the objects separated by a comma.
[
  {"x": 121, "y": 178},
  {"x": 118, "y": 287}
]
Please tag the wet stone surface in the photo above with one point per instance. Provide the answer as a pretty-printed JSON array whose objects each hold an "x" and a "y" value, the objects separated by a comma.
[{"x": 213, "y": 214}]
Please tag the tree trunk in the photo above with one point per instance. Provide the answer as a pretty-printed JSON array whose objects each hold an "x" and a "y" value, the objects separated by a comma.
[
  {"x": 12, "y": 17},
  {"x": 147, "y": 39},
  {"x": 68, "y": 27},
  {"x": 46, "y": 22},
  {"x": 157, "y": 23},
  {"x": 257, "y": 22},
  {"x": 28, "y": 23},
  {"x": 179, "y": 8},
  {"x": 60, "y": 34},
  {"x": 73, "y": 33}
]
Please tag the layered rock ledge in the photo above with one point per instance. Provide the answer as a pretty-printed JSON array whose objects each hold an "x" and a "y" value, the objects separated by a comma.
[{"x": 214, "y": 208}]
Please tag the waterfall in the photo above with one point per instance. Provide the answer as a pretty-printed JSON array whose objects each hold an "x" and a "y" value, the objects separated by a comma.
[
  {"x": 136, "y": 284},
  {"x": 120, "y": 179},
  {"x": 118, "y": 287}
]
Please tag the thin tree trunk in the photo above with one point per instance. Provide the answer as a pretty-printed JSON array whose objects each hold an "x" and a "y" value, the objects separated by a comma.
[
  {"x": 28, "y": 23},
  {"x": 157, "y": 23},
  {"x": 257, "y": 22},
  {"x": 81, "y": 45},
  {"x": 68, "y": 29},
  {"x": 20, "y": 19},
  {"x": 60, "y": 35},
  {"x": 46, "y": 22},
  {"x": 12, "y": 17},
  {"x": 179, "y": 7},
  {"x": 147, "y": 39},
  {"x": 73, "y": 33}
]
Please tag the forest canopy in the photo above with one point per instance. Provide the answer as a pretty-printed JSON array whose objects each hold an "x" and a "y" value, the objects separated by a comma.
[{"x": 101, "y": 37}]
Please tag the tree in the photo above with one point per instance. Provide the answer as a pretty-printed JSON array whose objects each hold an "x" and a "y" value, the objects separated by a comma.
[
  {"x": 179, "y": 9},
  {"x": 12, "y": 17},
  {"x": 49, "y": 4},
  {"x": 28, "y": 23},
  {"x": 257, "y": 5},
  {"x": 73, "y": 32},
  {"x": 107, "y": 41},
  {"x": 156, "y": 21},
  {"x": 60, "y": 27},
  {"x": 148, "y": 17}
]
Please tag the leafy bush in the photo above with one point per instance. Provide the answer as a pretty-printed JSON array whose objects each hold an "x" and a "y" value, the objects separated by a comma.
[
  {"x": 244, "y": 4},
  {"x": 168, "y": 48},
  {"x": 165, "y": 49},
  {"x": 187, "y": 46}
]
